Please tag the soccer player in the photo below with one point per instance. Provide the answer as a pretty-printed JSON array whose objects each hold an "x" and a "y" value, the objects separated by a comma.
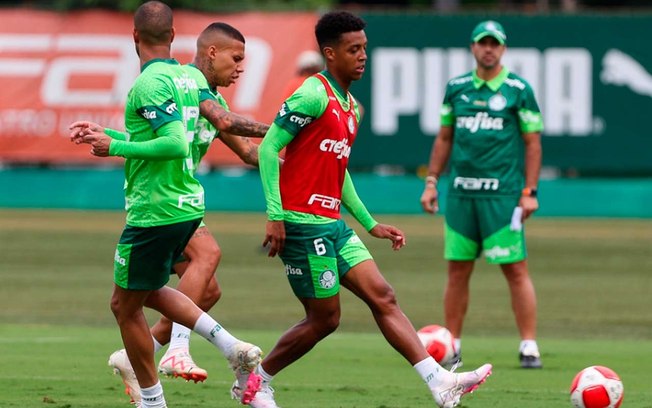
[
  {"x": 164, "y": 206},
  {"x": 218, "y": 62},
  {"x": 491, "y": 131},
  {"x": 317, "y": 126}
]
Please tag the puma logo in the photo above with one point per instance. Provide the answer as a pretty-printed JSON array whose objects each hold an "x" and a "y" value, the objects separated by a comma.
[{"x": 621, "y": 69}]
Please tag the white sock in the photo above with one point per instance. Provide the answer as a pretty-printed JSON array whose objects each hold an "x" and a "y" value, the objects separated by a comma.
[
  {"x": 211, "y": 330},
  {"x": 529, "y": 347},
  {"x": 152, "y": 397},
  {"x": 157, "y": 345},
  {"x": 266, "y": 377},
  {"x": 430, "y": 371},
  {"x": 180, "y": 337},
  {"x": 458, "y": 345}
]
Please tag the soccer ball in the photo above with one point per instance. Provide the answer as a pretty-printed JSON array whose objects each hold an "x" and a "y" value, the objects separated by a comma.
[
  {"x": 596, "y": 387},
  {"x": 439, "y": 343}
]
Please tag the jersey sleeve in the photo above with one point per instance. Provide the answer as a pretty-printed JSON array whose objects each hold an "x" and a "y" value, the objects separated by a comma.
[
  {"x": 153, "y": 99},
  {"x": 275, "y": 140},
  {"x": 529, "y": 114},
  {"x": 305, "y": 105},
  {"x": 447, "y": 118}
]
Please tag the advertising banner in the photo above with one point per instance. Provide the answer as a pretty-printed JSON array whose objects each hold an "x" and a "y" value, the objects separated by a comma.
[
  {"x": 56, "y": 68},
  {"x": 591, "y": 75}
]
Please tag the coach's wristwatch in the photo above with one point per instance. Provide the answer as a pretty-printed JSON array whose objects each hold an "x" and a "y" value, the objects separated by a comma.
[{"x": 529, "y": 192}]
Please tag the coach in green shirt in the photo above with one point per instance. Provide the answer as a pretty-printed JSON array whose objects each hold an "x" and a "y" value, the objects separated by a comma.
[{"x": 490, "y": 132}]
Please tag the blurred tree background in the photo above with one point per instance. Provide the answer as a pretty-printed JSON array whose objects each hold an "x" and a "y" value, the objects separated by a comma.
[{"x": 534, "y": 6}]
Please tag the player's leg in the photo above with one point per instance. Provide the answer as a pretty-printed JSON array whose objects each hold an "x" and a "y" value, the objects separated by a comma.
[
  {"x": 504, "y": 244},
  {"x": 365, "y": 281},
  {"x": 143, "y": 259},
  {"x": 462, "y": 245},
  {"x": 524, "y": 305},
  {"x": 312, "y": 270},
  {"x": 197, "y": 281}
]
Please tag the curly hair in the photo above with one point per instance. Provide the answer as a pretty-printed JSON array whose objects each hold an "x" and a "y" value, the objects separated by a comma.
[{"x": 332, "y": 25}]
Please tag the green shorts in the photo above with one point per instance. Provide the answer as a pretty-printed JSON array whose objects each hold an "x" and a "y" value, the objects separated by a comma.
[
  {"x": 481, "y": 224},
  {"x": 145, "y": 256},
  {"x": 316, "y": 256}
]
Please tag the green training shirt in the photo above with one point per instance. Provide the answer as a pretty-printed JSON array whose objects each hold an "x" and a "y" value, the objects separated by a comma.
[
  {"x": 205, "y": 132},
  {"x": 488, "y": 119},
  {"x": 161, "y": 192}
]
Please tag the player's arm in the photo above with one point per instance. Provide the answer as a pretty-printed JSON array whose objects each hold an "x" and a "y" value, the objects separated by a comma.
[
  {"x": 351, "y": 201},
  {"x": 275, "y": 140},
  {"x": 230, "y": 122},
  {"x": 533, "y": 152},
  {"x": 169, "y": 144},
  {"x": 531, "y": 126},
  {"x": 246, "y": 150},
  {"x": 439, "y": 155}
]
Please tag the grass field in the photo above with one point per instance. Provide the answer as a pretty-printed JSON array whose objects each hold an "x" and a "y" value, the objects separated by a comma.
[{"x": 592, "y": 277}]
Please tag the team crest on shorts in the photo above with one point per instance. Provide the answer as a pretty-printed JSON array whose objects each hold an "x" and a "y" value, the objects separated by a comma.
[
  {"x": 327, "y": 279},
  {"x": 497, "y": 102}
]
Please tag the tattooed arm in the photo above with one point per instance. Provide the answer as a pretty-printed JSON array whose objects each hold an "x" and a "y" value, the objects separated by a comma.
[
  {"x": 242, "y": 146},
  {"x": 231, "y": 122}
]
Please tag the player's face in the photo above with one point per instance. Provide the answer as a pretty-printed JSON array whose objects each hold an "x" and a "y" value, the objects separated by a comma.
[
  {"x": 227, "y": 62},
  {"x": 349, "y": 56},
  {"x": 487, "y": 52}
]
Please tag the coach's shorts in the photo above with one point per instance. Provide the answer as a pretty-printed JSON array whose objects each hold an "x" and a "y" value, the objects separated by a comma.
[
  {"x": 480, "y": 224},
  {"x": 317, "y": 256},
  {"x": 144, "y": 256}
]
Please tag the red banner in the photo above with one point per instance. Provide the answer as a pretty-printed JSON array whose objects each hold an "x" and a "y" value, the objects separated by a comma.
[{"x": 58, "y": 68}]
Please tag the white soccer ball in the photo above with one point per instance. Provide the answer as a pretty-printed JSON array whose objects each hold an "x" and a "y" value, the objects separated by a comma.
[
  {"x": 439, "y": 343},
  {"x": 596, "y": 387}
]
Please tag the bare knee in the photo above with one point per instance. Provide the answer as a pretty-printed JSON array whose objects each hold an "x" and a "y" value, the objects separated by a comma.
[
  {"x": 385, "y": 300},
  {"x": 323, "y": 325}
]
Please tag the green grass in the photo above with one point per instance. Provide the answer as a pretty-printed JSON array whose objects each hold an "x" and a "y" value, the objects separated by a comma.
[{"x": 592, "y": 276}]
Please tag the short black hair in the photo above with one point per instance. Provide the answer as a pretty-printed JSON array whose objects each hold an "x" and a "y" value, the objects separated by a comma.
[
  {"x": 332, "y": 25},
  {"x": 153, "y": 22},
  {"x": 226, "y": 29}
]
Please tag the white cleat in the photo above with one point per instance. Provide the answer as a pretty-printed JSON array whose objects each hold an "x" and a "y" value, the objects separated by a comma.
[
  {"x": 178, "y": 363},
  {"x": 448, "y": 393},
  {"x": 264, "y": 398},
  {"x": 243, "y": 359},
  {"x": 121, "y": 365}
]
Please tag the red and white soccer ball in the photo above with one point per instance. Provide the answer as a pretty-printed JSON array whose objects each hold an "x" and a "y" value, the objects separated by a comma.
[
  {"x": 439, "y": 343},
  {"x": 596, "y": 387}
]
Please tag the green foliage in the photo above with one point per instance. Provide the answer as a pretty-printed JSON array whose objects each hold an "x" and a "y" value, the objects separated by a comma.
[{"x": 196, "y": 5}]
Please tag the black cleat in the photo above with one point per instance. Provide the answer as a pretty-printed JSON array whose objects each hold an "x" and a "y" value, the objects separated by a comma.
[{"x": 529, "y": 361}]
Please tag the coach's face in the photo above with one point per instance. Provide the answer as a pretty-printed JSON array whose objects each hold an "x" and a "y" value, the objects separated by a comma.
[{"x": 487, "y": 52}]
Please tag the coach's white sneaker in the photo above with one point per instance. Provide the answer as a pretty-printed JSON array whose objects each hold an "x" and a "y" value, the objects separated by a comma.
[
  {"x": 243, "y": 359},
  {"x": 121, "y": 365},
  {"x": 264, "y": 398},
  {"x": 178, "y": 363},
  {"x": 447, "y": 394}
]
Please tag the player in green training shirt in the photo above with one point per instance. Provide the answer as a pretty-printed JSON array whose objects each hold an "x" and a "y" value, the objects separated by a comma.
[
  {"x": 164, "y": 208},
  {"x": 317, "y": 126},
  {"x": 491, "y": 132}
]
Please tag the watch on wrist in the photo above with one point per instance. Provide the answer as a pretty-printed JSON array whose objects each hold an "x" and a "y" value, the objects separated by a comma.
[{"x": 529, "y": 192}]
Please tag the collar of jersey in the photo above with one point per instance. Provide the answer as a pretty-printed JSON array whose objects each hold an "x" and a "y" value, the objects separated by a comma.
[
  {"x": 492, "y": 84},
  {"x": 340, "y": 92},
  {"x": 165, "y": 60}
]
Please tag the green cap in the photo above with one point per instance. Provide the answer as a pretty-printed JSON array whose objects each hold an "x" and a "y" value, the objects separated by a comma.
[{"x": 489, "y": 28}]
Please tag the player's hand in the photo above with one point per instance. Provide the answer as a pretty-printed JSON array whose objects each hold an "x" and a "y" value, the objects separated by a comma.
[
  {"x": 81, "y": 128},
  {"x": 389, "y": 232},
  {"x": 529, "y": 206},
  {"x": 99, "y": 142},
  {"x": 274, "y": 237},
  {"x": 429, "y": 201}
]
